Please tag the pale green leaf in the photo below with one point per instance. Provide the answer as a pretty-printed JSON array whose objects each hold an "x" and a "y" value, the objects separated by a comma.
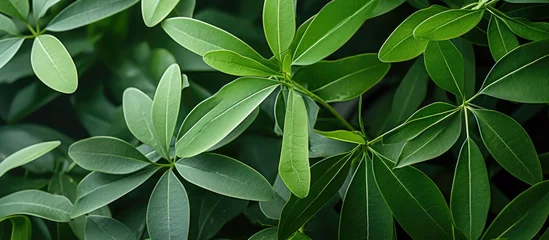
[
  {"x": 225, "y": 176},
  {"x": 8, "y": 49},
  {"x": 154, "y": 11},
  {"x": 294, "y": 157},
  {"x": 101, "y": 227},
  {"x": 26, "y": 155},
  {"x": 36, "y": 203},
  {"x": 233, "y": 63},
  {"x": 446, "y": 66},
  {"x": 53, "y": 65},
  {"x": 165, "y": 106},
  {"x": 344, "y": 136},
  {"x": 216, "y": 117},
  {"x": 15, "y": 8},
  {"x": 279, "y": 25},
  {"x": 7, "y": 25},
  {"x": 40, "y": 7},
  {"x": 107, "y": 155},
  {"x": 168, "y": 211},
  {"x": 500, "y": 38},
  {"x": 84, "y": 12},
  {"x": 510, "y": 145},
  {"x": 448, "y": 24}
]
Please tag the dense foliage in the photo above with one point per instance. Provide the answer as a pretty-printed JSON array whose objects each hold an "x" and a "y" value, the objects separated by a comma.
[{"x": 123, "y": 119}]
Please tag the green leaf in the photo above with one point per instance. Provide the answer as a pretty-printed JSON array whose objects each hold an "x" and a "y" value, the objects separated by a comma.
[
  {"x": 233, "y": 63},
  {"x": 364, "y": 213},
  {"x": 424, "y": 214},
  {"x": 523, "y": 217},
  {"x": 53, "y": 65},
  {"x": 500, "y": 38},
  {"x": 294, "y": 157},
  {"x": 470, "y": 199},
  {"x": 63, "y": 184},
  {"x": 522, "y": 27},
  {"x": 344, "y": 136},
  {"x": 420, "y": 121},
  {"x": 21, "y": 228},
  {"x": 8, "y": 49},
  {"x": 523, "y": 70},
  {"x": 213, "y": 212},
  {"x": 40, "y": 7},
  {"x": 84, "y": 12},
  {"x": 107, "y": 155},
  {"x": 26, "y": 155},
  {"x": 165, "y": 106},
  {"x": 510, "y": 145},
  {"x": 154, "y": 11},
  {"x": 327, "y": 177},
  {"x": 98, "y": 189},
  {"x": 36, "y": 203},
  {"x": 432, "y": 143},
  {"x": 137, "y": 108},
  {"x": 200, "y": 37},
  {"x": 214, "y": 118},
  {"x": 265, "y": 234},
  {"x": 7, "y": 25},
  {"x": 385, "y": 7},
  {"x": 168, "y": 212},
  {"x": 279, "y": 25},
  {"x": 239, "y": 130},
  {"x": 446, "y": 66},
  {"x": 15, "y": 8},
  {"x": 343, "y": 79},
  {"x": 401, "y": 45},
  {"x": 448, "y": 24},
  {"x": 225, "y": 176},
  {"x": 334, "y": 25},
  {"x": 100, "y": 227},
  {"x": 466, "y": 49}
]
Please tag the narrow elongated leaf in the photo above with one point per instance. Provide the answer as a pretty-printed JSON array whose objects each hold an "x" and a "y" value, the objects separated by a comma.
[
  {"x": 265, "y": 234},
  {"x": 137, "y": 108},
  {"x": 233, "y": 63},
  {"x": 294, "y": 157},
  {"x": 154, "y": 11},
  {"x": 448, "y": 24},
  {"x": 446, "y": 66},
  {"x": 420, "y": 121},
  {"x": 334, "y": 25},
  {"x": 238, "y": 130},
  {"x": 385, "y": 7},
  {"x": 364, "y": 214},
  {"x": 26, "y": 155},
  {"x": 500, "y": 38},
  {"x": 98, "y": 189},
  {"x": 533, "y": 31},
  {"x": 53, "y": 65},
  {"x": 470, "y": 200},
  {"x": 432, "y": 143},
  {"x": 165, "y": 106},
  {"x": 425, "y": 214},
  {"x": 107, "y": 155},
  {"x": 36, "y": 203},
  {"x": 523, "y": 217},
  {"x": 510, "y": 145},
  {"x": 8, "y": 49},
  {"x": 21, "y": 228},
  {"x": 200, "y": 37},
  {"x": 401, "y": 45},
  {"x": 15, "y": 8},
  {"x": 225, "y": 176},
  {"x": 214, "y": 118},
  {"x": 327, "y": 177},
  {"x": 343, "y": 79},
  {"x": 40, "y": 7},
  {"x": 344, "y": 136},
  {"x": 8, "y": 26},
  {"x": 101, "y": 227},
  {"x": 168, "y": 211},
  {"x": 521, "y": 71},
  {"x": 279, "y": 25},
  {"x": 84, "y": 12}
]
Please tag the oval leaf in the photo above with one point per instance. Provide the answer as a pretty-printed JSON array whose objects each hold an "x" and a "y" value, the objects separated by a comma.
[
  {"x": 53, "y": 65},
  {"x": 334, "y": 25},
  {"x": 233, "y": 63},
  {"x": 225, "y": 176},
  {"x": 500, "y": 38},
  {"x": 154, "y": 11},
  {"x": 214, "y": 118},
  {"x": 8, "y": 26},
  {"x": 36, "y": 203},
  {"x": 168, "y": 211},
  {"x": 279, "y": 25},
  {"x": 446, "y": 66},
  {"x": 40, "y": 7},
  {"x": 84, "y": 12},
  {"x": 165, "y": 106},
  {"x": 100, "y": 227},
  {"x": 26, "y": 155},
  {"x": 343, "y": 79},
  {"x": 448, "y": 24},
  {"x": 15, "y": 8},
  {"x": 523, "y": 70},
  {"x": 510, "y": 145},
  {"x": 533, "y": 31},
  {"x": 8, "y": 49}
]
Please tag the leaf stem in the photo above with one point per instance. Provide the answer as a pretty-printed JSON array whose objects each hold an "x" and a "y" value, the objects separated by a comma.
[
  {"x": 360, "y": 121},
  {"x": 31, "y": 30},
  {"x": 325, "y": 105}
]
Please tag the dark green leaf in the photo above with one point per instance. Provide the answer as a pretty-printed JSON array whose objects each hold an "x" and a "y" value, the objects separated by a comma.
[
  {"x": 100, "y": 227},
  {"x": 448, "y": 24},
  {"x": 500, "y": 38},
  {"x": 36, "y": 203},
  {"x": 343, "y": 136},
  {"x": 15, "y": 8},
  {"x": 446, "y": 66}
]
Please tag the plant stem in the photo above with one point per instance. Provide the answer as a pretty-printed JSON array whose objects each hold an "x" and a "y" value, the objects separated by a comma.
[
  {"x": 325, "y": 104},
  {"x": 31, "y": 30},
  {"x": 360, "y": 121}
]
